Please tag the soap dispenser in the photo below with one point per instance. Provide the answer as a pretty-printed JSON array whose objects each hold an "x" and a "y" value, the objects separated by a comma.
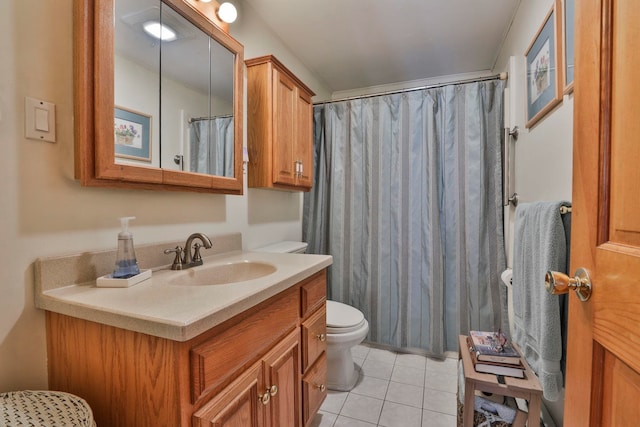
[{"x": 126, "y": 263}]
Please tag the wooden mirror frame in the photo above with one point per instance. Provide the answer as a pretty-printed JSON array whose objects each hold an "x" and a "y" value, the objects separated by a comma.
[{"x": 94, "y": 103}]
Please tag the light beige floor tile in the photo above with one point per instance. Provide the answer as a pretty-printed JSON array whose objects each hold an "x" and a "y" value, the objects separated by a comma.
[
  {"x": 362, "y": 408},
  {"x": 405, "y": 394},
  {"x": 395, "y": 415},
  {"x": 406, "y": 375},
  {"x": 447, "y": 366},
  {"x": 351, "y": 422},
  {"x": 439, "y": 401},
  {"x": 411, "y": 360},
  {"x": 360, "y": 351},
  {"x": 438, "y": 419},
  {"x": 372, "y": 387},
  {"x": 381, "y": 355},
  {"x": 334, "y": 401},
  {"x": 373, "y": 368},
  {"x": 323, "y": 419},
  {"x": 441, "y": 381}
]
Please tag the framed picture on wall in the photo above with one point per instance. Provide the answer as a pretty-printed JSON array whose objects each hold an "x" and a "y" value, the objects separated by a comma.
[
  {"x": 544, "y": 70},
  {"x": 132, "y": 134},
  {"x": 568, "y": 43}
]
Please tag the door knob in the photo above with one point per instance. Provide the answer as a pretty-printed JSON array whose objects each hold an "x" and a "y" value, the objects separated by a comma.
[{"x": 559, "y": 283}]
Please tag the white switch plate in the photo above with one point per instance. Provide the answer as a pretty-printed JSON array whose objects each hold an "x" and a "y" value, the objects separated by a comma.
[{"x": 40, "y": 120}]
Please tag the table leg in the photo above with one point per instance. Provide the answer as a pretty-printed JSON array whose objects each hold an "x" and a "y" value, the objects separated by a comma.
[
  {"x": 469, "y": 400},
  {"x": 534, "y": 411}
]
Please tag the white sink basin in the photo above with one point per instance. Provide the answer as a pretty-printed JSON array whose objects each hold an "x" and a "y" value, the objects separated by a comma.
[{"x": 222, "y": 274}]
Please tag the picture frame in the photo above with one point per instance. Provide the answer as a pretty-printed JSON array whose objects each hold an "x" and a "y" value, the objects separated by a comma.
[
  {"x": 568, "y": 43},
  {"x": 132, "y": 134},
  {"x": 544, "y": 71}
]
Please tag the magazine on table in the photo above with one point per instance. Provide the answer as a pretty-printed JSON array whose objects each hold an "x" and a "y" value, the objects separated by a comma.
[{"x": 493, "y": 347}]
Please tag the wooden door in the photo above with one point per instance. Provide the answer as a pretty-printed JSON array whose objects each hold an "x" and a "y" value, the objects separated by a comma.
[
  {"x": 603, "y": 359},
  {"x": 238, "y": 405},
  {"x": 303, "y": 152},
  {"x": 282, "y": 367},
  {"x": 284, "y": 91}
]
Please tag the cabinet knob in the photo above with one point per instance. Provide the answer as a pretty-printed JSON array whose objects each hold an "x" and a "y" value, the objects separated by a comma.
[
  {"x": 265, "y": 398},
  {"x": 322, "y": 337},
  {"x": 321, "y": 387},
  {"x": 273, "y": 390}
]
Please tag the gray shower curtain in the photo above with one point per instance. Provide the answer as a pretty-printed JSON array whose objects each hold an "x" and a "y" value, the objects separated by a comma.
[
  {"x": 211, "y": 145},
  {"x": 407, "y": 198}
]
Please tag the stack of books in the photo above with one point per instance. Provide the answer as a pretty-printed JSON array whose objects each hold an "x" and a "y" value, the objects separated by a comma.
[{"x": 492, "y": 353}]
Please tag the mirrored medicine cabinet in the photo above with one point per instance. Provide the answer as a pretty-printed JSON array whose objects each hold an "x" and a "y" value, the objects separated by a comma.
[{"x": 161, "y": 110}]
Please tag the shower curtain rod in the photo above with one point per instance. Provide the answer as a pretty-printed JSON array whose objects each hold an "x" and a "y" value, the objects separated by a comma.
[
  {"x": 501, "y": 76},
  {"x": 197, "y": 119}
]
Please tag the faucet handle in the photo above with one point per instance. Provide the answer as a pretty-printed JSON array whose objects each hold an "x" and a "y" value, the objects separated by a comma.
[
  {"x": 196, "y": 253},
  {"x": 177, "y": 261}
]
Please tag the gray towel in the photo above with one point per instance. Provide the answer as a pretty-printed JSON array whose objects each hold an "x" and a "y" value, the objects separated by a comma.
[{"x": 539, "y": 245}]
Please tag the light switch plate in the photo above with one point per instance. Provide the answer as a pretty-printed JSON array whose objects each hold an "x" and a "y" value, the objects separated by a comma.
[{"x": 40, "y": 120}]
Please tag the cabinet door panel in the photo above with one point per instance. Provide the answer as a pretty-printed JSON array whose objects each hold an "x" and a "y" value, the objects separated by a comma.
[
  {"x": 237, "y": 405},
  {"x": 314, "y": 333},
  {"x": 283, "y": 129},
  {"x": 303, "y": 145},
  {"x": 215, "y": 362},
  {"x": 282, "y": 370},
  {"x": 314, "y": 389}
]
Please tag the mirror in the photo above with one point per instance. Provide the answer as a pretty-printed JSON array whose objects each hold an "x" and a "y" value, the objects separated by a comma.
[{"x": 162, "y": 114}]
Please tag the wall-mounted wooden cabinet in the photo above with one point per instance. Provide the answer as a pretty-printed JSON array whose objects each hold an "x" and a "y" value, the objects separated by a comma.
[{"x": 279, "y": 127}]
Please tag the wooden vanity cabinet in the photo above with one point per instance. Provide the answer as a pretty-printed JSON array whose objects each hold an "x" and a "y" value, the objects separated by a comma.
[
  {"x": 279, "y": 127},
  {"x": 246, "y": 371}
]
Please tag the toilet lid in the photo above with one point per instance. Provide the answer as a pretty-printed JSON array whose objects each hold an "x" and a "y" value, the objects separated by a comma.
[{"x": 343, "y": 316}]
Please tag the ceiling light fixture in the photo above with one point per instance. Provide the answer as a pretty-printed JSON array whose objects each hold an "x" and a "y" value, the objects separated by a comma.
[
  {"x": 227, "y": 12},
  {"x": 159, "y": 31}
]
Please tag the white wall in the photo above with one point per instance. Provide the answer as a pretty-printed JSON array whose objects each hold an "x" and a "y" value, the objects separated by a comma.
[
  {"x": 543, "y": 154},
  {"x": 45, "y": 212}
]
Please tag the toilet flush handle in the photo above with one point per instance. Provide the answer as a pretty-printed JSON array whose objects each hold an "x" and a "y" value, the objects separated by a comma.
[{"x": 559, "y": 283}]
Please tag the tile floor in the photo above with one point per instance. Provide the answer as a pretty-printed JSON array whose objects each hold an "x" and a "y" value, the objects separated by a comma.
[{"x": 395, "y": 390}]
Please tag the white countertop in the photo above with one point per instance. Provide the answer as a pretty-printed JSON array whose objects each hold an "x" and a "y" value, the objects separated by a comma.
[{"x": 181, "y": 312}]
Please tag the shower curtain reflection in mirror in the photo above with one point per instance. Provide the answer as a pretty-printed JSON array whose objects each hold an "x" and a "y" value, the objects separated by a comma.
[
  {"x": 407, "y": 197},
  {"x": 211, "y": 145}
]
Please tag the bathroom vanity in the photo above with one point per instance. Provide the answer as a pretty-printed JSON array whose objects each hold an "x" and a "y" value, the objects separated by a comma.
[{"x": 166, "y": 352}]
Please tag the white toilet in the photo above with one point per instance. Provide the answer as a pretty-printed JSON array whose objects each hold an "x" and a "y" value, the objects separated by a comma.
[{"x": 346, "y": 328}]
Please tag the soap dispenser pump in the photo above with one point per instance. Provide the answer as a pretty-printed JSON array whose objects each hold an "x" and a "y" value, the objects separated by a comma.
[{"x": 126, "y": 263}]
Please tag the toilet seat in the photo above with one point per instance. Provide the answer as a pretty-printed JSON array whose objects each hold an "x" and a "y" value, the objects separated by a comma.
[{"x": 342, "y": 318}]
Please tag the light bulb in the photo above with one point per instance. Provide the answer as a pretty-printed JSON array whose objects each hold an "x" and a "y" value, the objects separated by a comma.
[
  {"x": 159, "y": 31},
  {"x": 227, "y": 12}
]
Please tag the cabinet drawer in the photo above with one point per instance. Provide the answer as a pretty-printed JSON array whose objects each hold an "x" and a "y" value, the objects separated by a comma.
[
  {"x": 313, "y": 293},
  {"x": 217, "y": 361},
  {"x": 314, "y": 389},
  {"x": 314, "y": 333}
]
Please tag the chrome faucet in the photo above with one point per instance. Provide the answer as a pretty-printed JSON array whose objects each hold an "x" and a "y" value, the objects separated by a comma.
[{"x": 185, "y": 258}]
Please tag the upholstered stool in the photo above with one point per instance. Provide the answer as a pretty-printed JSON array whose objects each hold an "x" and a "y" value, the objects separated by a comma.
[{"x": 44, "y": 408}]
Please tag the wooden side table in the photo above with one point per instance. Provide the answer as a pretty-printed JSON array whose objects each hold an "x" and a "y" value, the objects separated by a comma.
[{"x": 527, "y": 388}]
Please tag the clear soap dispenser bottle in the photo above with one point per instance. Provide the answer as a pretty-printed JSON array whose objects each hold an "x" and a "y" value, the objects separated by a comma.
[{"x": 126, "y": 263}]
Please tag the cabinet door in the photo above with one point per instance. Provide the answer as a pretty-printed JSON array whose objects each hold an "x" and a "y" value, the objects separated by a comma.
[
  {"x": 238, "y": 405},
  {"x": 282, "y": 367},
  {"x": 303, "y": 147},
  {"x": 284, "y": 105}
]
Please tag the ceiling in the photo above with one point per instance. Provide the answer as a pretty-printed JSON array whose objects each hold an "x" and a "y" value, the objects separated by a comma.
[{"x": 351, "y": 44}]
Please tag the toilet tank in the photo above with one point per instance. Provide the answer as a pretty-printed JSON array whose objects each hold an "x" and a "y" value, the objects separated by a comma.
[{"x": 285, "y": 246}]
